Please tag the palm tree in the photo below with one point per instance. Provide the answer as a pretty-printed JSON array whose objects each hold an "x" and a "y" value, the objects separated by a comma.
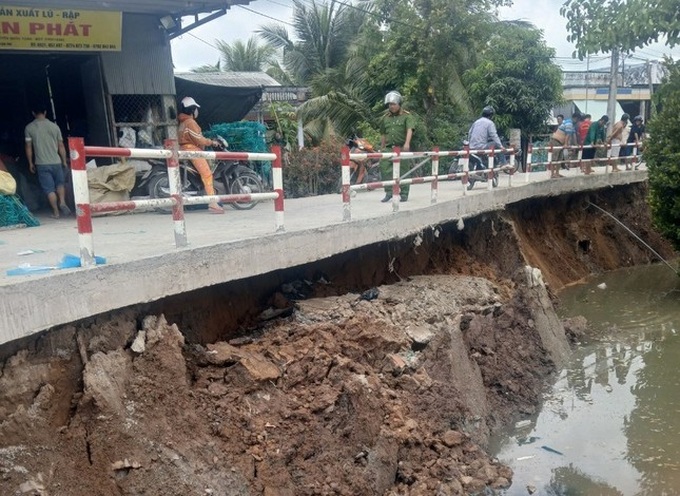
[
  {"x": 321, "y": 57},
  {"x": 324, "y": 31},
  {"x": 246, "y": 57},
  {"x": 208, "y": 68}
]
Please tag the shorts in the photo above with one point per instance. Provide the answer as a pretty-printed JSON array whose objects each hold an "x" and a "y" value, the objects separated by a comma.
[{"x": 50, "y": 177}]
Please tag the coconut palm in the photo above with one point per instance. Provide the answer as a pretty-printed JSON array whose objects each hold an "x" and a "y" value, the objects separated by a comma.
[
  {"x": 208, "y": 68},
  {"x": 324, "y": 33},
  {"x": 246, "y": 57}
]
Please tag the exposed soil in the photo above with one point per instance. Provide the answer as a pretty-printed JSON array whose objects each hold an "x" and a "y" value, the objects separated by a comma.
[{"x": 303, "y": 385}]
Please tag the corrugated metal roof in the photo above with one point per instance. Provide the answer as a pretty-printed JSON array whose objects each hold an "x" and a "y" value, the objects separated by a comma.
[
  {"x": 159, "y": 7},
  {"x": 230, "y": 79}
]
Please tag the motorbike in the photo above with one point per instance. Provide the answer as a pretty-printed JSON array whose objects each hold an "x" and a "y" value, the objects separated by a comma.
[
  {"x": 362, "y": 171},
  {"x": 229, "y": 178},
  {"x": 478, "y": 171},
  {"x": 478, "y": 167}
]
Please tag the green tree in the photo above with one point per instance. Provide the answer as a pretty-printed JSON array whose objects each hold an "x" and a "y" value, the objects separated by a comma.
[
  {"x": 324, "y": 33},
  {"x": 208, "y": 68},
  {"x": 517, "y": 77},
  {"x": 246, "y": 57},
  {"x": 662, "y": 154},
  {"x": 600, "y": 26}
]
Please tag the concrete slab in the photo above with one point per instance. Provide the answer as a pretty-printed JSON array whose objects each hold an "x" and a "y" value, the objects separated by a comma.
[{"x": 143, "y": 264}]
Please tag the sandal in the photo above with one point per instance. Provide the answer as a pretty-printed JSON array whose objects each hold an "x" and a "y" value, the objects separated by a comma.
[{"x": 215, "y": 209}]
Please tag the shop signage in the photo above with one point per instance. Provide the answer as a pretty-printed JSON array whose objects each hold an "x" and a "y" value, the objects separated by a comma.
[{"x": 25, "y": 28}]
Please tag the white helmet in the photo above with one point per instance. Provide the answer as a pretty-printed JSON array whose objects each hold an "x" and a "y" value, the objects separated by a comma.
[
  {"x": 393, "y": 97},
  {"x": 187, "y": 102}
]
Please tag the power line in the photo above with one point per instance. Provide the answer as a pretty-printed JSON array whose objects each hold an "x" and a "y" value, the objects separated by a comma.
[{"x": 265, "y": 15}]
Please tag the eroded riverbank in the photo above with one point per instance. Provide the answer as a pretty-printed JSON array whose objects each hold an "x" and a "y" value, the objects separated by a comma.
[{"x": 395, "y": 392}]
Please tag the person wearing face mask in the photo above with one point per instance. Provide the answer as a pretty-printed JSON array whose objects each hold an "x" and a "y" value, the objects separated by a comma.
[{"x": 191, "y": 138}]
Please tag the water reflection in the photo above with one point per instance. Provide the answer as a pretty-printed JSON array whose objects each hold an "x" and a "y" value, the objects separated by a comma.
[{"x": 612, "y": 422}]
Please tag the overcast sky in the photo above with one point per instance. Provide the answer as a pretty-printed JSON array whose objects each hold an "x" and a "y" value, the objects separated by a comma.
[{"x": 194, "y": 48}]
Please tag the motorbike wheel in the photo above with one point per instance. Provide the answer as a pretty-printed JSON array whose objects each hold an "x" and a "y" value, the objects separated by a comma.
[
  {"x": 159, "y": 187},
  {"x": 245, "y": 182}
]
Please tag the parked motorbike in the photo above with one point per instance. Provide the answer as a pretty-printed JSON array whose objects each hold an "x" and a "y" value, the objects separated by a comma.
[
  {"x": 229, "y": 178},
  {"x": 362, "y": 171}
]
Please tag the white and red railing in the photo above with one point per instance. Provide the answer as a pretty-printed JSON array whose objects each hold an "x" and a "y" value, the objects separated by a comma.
[
  {"x": 171, "y": 153},
  {"x": 396, "y": 156},
  {"x": 584, "y": 164}
]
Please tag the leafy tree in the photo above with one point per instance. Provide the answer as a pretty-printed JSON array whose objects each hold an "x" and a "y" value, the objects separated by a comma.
[
  {"x": 517, "y": 77},
  {"x": 245, "y": 57},
  {"x": 662, "y": 153},
  {"x": 600, "y": 26}
]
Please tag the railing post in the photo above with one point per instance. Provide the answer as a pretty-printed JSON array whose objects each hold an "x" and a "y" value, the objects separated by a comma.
[
  {"x": 277, "y": 179},
  {"x": 434, "y": 187},
  {"x": 346, "y": 205},
  {"x": 550, "y": 160},
  {"x": 466, "y": 169},
  {"x": 527, "y": 169},
  {"x": 175, "y": 182},
  {"x": 489, "y": 172},
  {"x": 396, "y": 174},
  {"x": 81, "y": 195}
]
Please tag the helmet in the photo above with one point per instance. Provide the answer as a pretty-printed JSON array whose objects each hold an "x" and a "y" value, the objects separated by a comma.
[
  {"x": 187, "y": 102},
  {"x": 393, "y": 97},
  {"x": 638, "y": 118},
  {"x": 625, "y": 117},
  {"x": 488, "y": 111},
  {"x": 189, "y": 106}
]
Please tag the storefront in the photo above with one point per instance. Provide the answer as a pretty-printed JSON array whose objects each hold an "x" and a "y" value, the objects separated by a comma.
[{"x": 96, "y": 70}]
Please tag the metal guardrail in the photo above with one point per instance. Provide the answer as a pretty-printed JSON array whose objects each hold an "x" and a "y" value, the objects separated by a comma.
[{"x": 172, "y": 154}]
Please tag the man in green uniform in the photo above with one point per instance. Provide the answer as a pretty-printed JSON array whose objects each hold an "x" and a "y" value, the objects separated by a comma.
[
  {"x": 596, "y": 135},
  {"x": 396, "y": 128}
]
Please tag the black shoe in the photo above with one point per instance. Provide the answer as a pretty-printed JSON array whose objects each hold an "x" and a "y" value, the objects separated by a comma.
[
  {"x": 386, "y": 199},
  {"x": 403, "y": 198}
]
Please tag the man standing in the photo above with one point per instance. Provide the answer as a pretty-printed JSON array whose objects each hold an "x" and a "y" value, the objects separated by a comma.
[
  {"x": 615, "y": 139},
  {"x": 596, "y": 135},
  {"x": 635, "y": 136},
  {"x": 564, "y": 137},
  {"x": 396, "y": 129},
  {"x": 46, "y": 154}
]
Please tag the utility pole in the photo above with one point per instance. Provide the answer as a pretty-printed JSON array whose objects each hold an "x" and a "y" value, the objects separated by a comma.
[
  {"x": 587, "y": 80},
  {"x": 652, "y": 108},
  {"x": 611, "y": 102}
]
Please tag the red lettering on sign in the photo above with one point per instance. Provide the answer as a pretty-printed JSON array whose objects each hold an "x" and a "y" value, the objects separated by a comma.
[
  {"x": 70, "y": 30},
  {"x": 34, "y": 27},
  {"x": 86, "y": 29},
  {"x": 9, "y": 27},
  {"x": 54, "y": 29}
]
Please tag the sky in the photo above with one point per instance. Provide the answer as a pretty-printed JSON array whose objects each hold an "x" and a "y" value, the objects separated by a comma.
[{"x": 196, "y": 48}]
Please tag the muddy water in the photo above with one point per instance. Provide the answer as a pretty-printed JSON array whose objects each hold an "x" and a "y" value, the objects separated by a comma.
[{"x": 611, "y": 424}]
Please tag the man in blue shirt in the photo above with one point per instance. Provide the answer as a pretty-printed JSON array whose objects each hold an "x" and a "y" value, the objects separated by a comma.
[{"x": 483, "y": 134}]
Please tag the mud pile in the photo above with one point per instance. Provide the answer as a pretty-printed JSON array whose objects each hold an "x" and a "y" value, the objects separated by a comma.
[{"x": 395, "y": 394}]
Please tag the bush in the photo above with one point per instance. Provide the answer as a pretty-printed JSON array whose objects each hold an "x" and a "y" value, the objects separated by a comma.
[
  {"x": 662, "y": 154},
  {"x": 312, "y": 171}
]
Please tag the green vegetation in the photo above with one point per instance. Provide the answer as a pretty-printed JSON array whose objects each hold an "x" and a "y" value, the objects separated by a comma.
[
  {"x": 600, "y": 26},
  {"x": 662, "y": 153}
]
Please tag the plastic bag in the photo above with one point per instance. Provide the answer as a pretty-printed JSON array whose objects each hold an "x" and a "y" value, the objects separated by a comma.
[{"x": 8, "y": 186}]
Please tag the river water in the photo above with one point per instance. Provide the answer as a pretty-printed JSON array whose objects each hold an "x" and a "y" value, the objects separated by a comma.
[{"x": 611, "y": 424}]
